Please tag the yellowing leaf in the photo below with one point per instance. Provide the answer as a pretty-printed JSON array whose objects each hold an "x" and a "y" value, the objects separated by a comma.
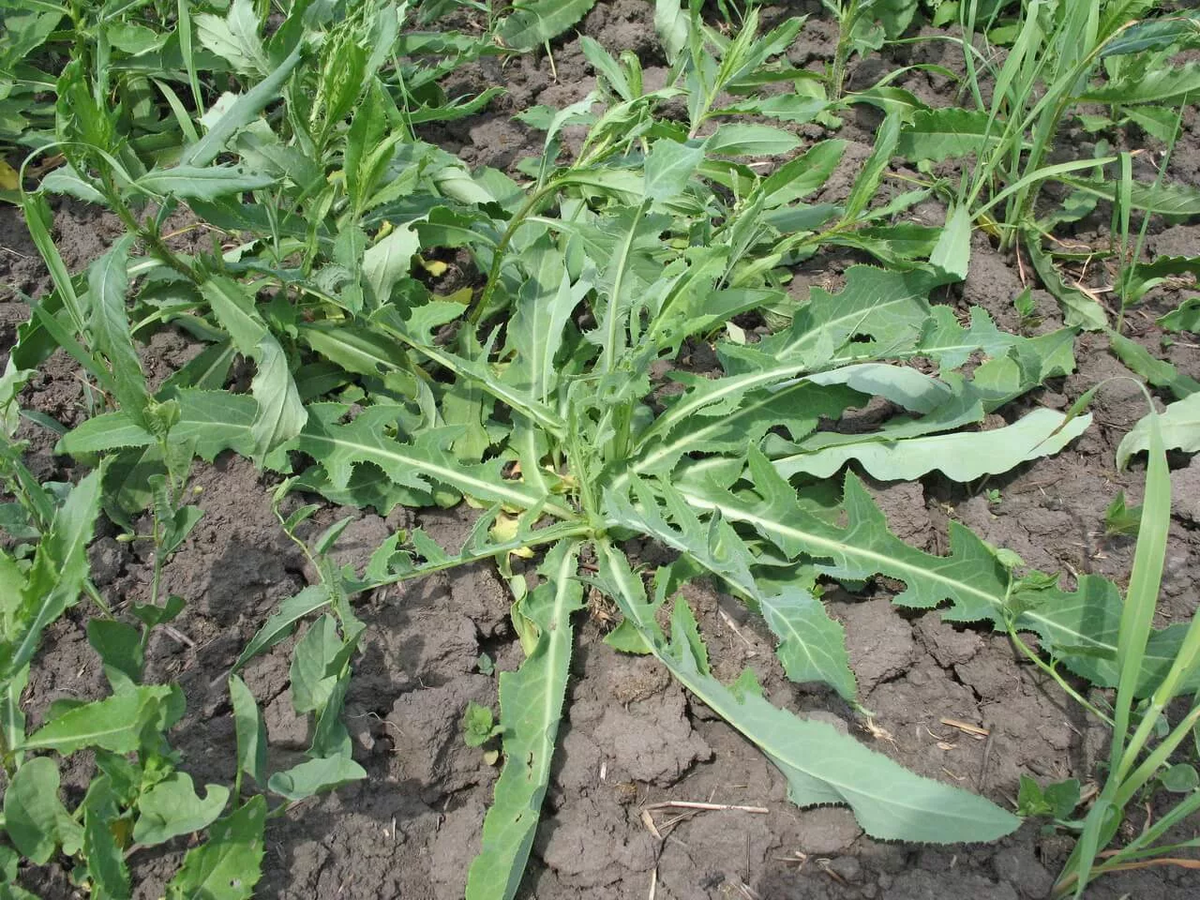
[
  {"x": 8, "y": 177},
  {"x": 434, "y": 267}
]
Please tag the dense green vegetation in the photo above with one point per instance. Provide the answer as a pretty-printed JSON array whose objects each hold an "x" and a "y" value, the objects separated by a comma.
[{"x": 292, "y": 129}]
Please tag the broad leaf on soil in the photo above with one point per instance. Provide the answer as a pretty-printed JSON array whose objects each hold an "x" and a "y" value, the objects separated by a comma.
[
  {"x": 1185, "y": 317},
  {"x": 812, "y": 646},
  {"x": 279, "y": 626},
  {"x": 314, "y": 776},
  {"x": 172, "y": 808},
  {"x": 938, "y": 134},
  {"x": 251, "y": 729},
  {"x": 115, "y": 723},
  {"x": 35, "y": 819},
  {"x": 961, "y": 456},
  {"x": 537, "y": 21},
  {"x": 214, "y": 420},
  {"x": 229, "y": 863},
  {"x": 971, "y": 577},
  {"x": 420, "y": 465},
  {"x": 822, "y": 766},
  {"x": 1180, "y": 423}
]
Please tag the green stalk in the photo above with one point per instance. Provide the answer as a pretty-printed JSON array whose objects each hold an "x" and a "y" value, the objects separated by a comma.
[
  {"x": 1181, "y": 810},
  {"x": 841, "y": 54},
  {"x": 483, "y": 305},
  {"x": 1136, "y": 618},
  {"x": 1053, "y": 673}
]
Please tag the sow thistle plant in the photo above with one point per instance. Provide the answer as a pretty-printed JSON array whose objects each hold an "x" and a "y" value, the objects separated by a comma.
[{"x": 537, "y": 398}]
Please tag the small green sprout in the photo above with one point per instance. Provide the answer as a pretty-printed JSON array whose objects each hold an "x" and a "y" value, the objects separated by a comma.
[
  {"x": 1056, "y": 800},
  {"x": 1120, "y": 519},
  {"x": 478, "y": 725}
]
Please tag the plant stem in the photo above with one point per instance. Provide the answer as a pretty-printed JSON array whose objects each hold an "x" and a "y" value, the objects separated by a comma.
[
  {"x": 148, "y": 236},
  {"x": 837, "y": 76},
  {"x": 483, "y": 305},
  {"x": 1053, "y": 673}
]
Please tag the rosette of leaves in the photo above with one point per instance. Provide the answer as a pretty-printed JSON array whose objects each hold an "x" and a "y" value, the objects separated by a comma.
[{"x": 541, "y": 397}]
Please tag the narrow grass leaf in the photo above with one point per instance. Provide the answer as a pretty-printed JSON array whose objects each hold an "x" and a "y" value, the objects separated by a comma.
[
  {"x": 1145, "y": 581},
  {"x": 37, "y": 219}
]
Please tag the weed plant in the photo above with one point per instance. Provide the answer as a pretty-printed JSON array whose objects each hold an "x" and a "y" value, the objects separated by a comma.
[{"x": 536, "y": 395}]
